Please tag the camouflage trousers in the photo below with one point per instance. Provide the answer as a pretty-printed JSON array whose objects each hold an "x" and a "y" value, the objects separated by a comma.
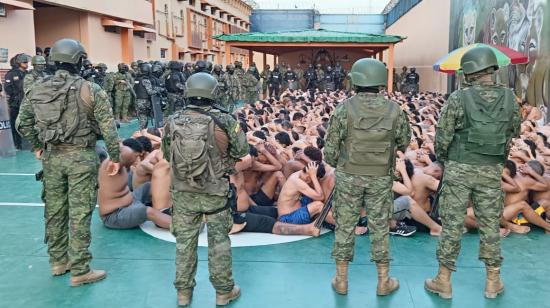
[
  {"x": 144, "y": 110},
  {"x": 70, "y": 188},
  {"x": 122, "y": 104},
  {"x": 352, "y": 193},
  {"x": 188, "y": 212},
  {"x": 481, "y": 185},
  {"x": 175, "y": 101},
  {"x": 251, "y": 96}
]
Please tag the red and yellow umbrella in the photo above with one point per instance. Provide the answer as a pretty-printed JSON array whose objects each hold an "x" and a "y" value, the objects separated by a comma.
[{"x": 450, "y": 63}]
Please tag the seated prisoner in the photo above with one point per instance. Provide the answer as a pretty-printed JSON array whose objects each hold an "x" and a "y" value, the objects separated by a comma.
[{"x": 120, "y": 208}]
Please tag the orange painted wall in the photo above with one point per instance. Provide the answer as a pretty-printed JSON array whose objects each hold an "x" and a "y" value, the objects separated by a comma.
[{"x": 136, "y": 10}]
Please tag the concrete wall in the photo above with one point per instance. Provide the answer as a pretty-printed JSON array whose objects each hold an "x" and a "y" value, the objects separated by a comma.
[
  {"x": 426, "y": 27},
  {"x": 135, "y": 10},
  {"x": 18, "y": 41},
  {"x": 371, "y": 23}
]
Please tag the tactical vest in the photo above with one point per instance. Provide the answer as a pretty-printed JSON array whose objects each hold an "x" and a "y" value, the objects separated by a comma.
[
  {"x": 487, "y": 128},
  {"x": 63, "y": 111},
  {"x": 119, "y": 84},
  {"x": 141, "y": 92},
  {"x": 197, "y": 164},
  {"x": 369, "y": 148},
  {"x": 275, "y": 77}
]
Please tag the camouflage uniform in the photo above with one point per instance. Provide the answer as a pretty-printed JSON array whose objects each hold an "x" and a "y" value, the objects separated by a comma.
[
  {"x": 250, "y": 93},
  {"x": 479, "y": 183},
  {"x": 70, "y": 179},
  {"x": 123, "y": 94},
  {"x": 143, "y": 105},
  {"x": 188, "y": 211},
  {"x": 320, "y": 78},
  {"x": 265, "y": 75},
  {"x": 31, "y": 78},
  {"x": 353, "y": 192},
  {"x": 108, "y": 86},
  {"x": 233, "y": 88}
]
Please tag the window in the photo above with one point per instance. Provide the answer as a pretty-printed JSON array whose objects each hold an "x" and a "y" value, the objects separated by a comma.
[
  {"x": 166, "y": 9},
  {"x": 163, "y": 52}
]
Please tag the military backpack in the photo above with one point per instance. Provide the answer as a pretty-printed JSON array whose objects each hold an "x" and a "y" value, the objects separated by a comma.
[
  {"x": 63, "y": 111},
  {"x": 196, "y": 160}
]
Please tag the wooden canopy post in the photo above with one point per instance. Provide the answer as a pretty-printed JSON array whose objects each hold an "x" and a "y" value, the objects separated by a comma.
[
  {"x": 250, "y": 57},
  {"x": 390, "y": 68},
  {"x": 227, "y": 53},
  {"x": 264, "y": 60}
]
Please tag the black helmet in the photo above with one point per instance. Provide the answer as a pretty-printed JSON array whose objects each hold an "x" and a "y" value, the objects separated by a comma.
[
  {"x": 175, "y": 65},
  {"x": 209, "y": 66},
  {"x": 200, "y": 66},
  {"x": 87, "y": 63},
  {"x": 67, "y": 51},
  {"x": 145, "y": 68}
]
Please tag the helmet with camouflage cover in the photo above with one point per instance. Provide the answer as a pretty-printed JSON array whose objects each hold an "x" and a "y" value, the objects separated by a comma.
[
  {"x": 368, "y": 72},
  {"x": 238, "y": 64},
  {"x": 230, "y": 68},
  {"x": 102, "y": 67},
  {"x": 217, "y": 68},
  {"x": 67, "y": 51},
  {"x": 209, "y": 66},
  {"x": 478, "y": 59},
  {"x": 134, "y": 65},
  {"x": 38, "y": 60},
  {"x": 201, "y": 85},
  {"x": 121, "y": 67}
]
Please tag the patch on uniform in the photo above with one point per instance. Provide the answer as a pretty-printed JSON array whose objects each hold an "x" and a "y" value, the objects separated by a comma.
[
  {"x": 237, "y": 128},
  {"x": 15, "y": 78},
  {"x": 8, "y": 81}
]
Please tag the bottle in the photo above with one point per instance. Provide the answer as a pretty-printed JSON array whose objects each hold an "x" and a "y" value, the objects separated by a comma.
[{"x": 7, "y": 147}]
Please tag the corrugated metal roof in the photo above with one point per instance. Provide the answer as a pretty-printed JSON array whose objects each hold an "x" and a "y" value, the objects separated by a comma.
[{"x": 310, "y": 35}]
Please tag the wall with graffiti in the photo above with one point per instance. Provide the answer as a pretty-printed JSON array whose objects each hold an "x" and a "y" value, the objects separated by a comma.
[{"x": 518, "y": 24}]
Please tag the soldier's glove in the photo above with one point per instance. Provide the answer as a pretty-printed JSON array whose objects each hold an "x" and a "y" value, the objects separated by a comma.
[{"x": 39, "y": 176}]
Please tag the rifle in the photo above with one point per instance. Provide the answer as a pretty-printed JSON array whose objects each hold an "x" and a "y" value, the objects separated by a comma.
[
  {"x": 324, "y": 212},
  {"x": 434, "y": 213}
]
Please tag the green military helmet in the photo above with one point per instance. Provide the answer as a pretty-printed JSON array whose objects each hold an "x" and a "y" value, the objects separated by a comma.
[
  {"x": 368, "y": 72},
  {"x": 134, "y": 65},
  {"x": 67, "y": 51},
  {"x": 38, "y": 60},
  {"x": 209, "y": 66},
  {"x": 478, "y": 59},
  {"x": 102, "y": 65},
  {"x": 201, "y": 85},
  {"x": 175, "y": 65}
]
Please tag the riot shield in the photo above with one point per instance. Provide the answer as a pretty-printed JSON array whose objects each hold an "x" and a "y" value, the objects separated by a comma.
[{"x": 158, "y": 117}]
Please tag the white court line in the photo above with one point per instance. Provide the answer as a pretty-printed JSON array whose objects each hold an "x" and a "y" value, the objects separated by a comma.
[
  {"x": 24, "y": 204},
  {"x": 17, "y": 174},
  {"x": 20, "y": 204}
]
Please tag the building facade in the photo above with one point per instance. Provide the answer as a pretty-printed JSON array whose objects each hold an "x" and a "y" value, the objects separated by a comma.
[{"x": 124, "y": 30}]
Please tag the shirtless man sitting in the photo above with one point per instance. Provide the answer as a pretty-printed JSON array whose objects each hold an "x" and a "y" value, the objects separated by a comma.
[
  {"x": 263, "y": 176},
  {"x": 299, "y": 202},
  {"x": 425, "y": 182},
  {"x": 120, "y": 208},
  {"x": 528, "y": 178}
]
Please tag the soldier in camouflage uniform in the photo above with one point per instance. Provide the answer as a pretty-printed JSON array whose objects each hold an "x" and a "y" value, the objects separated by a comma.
[
  {"x": 299, "y": 76},
  {"x": 220, "y": 96},
  {"x": 123, "y": 83},
  {"x": 233, "y": 88},
  {"x": 249, "y": 83},
  {"x": 362, "y": 139},
  {"x": 39, "y": 66},
  {"x": 68, "y": 157},
  {"x": 473, "y": 134},
  {"x": 320, "y": 73},
  {"x": 144, "y": 91},
  {"x": 134, "y": 71},
  {"x": 239, "y": 68},
  {"x": 265, "y": 75},
  {"x": 101, "y": 69},
  {"x": 199, "y": 192},
  {"x": 109, "y": 86}
]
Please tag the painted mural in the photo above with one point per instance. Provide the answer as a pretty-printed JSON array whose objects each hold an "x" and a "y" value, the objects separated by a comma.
[{"x": 518, "y": 24}]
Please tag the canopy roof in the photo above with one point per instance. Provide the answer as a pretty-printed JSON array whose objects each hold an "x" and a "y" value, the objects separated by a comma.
[{"x": 309, "y": 36}]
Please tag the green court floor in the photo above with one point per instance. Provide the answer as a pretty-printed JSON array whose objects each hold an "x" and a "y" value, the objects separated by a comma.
[{"x": 141, "y": 268}]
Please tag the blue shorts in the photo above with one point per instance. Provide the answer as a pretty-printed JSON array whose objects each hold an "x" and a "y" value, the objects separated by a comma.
[{"x": 299, "y": 216}]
